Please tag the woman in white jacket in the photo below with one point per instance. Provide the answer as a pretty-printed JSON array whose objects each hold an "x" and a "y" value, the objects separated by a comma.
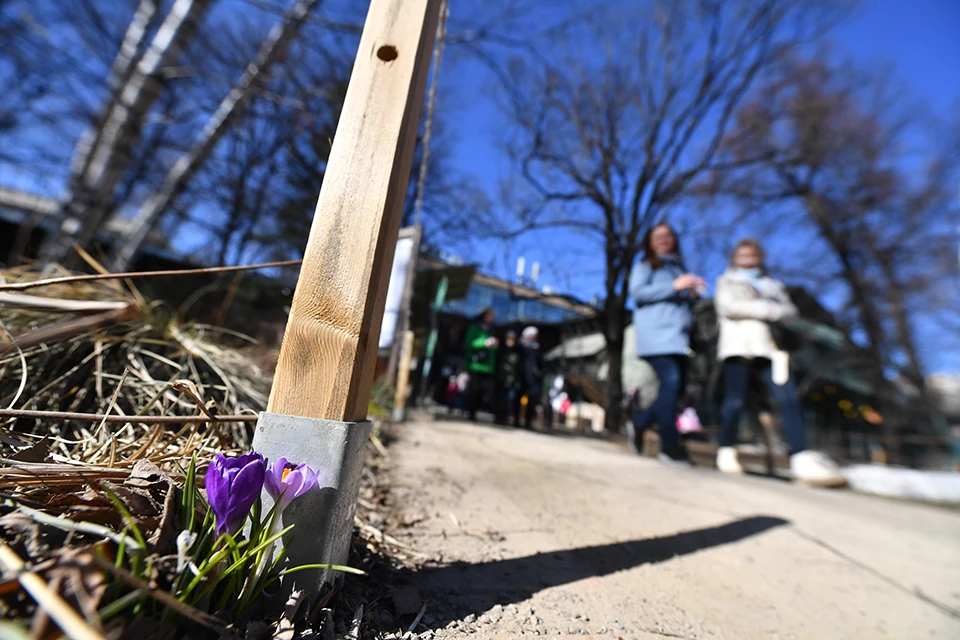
[{"x": 748, "y": 302}]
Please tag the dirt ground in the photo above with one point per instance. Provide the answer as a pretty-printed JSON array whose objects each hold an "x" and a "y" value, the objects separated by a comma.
[{"x": 535, "y": 534}]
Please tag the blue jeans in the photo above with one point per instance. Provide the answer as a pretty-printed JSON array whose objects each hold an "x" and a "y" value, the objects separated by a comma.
[
  {"x": 672, "y": 372},
  {"x": 736, "y": 383}
]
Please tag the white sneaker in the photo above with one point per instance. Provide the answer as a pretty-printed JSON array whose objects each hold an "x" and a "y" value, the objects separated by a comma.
[
  {"x": 816, "y": 468},
  {"x": 727, "y": 460}
]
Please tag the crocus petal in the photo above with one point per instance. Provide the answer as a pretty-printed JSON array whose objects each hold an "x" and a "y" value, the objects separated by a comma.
[
  {"x": 233, "y": 484},
  {"x": 217, "y": 487},
  {"x": 245, "y": 489},
  {"x": 310, "y": 478},
  {"x": 293, "y": 486},
  {"x": 274, "y": 478},
  {"x": 246, "y": 458}
]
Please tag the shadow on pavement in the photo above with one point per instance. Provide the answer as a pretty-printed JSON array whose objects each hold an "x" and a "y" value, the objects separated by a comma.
[{"x": 463, "y": 588}]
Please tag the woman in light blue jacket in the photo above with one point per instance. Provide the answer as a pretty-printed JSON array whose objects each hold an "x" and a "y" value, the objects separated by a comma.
[{"x": 663, "y": 293}]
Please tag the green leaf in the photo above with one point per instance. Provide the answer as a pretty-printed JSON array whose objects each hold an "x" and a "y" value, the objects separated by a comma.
[
  {"x": 335, "y": 567},
  {"x": 117, "y": 606},
  {"x": 249, "y": 555},
  {"x": 121, "y": 548},
  {"x": 190, "y": 493},
  {"x": 210, "y": 563},
  {"x": 305, "y": 567}
]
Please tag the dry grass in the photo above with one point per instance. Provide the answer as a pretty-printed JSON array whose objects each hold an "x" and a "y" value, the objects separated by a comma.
[
  {"x": 55, "y": 474},
  {"x": 148, "y": 366}
]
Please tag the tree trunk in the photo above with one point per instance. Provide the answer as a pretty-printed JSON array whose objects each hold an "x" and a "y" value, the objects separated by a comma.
[
  {"x": 613, "y": 333},
  {"x": 91, "y": 196},
  {"x": 905, "y": 337},
  {"x": 128, "y": 56},
  {"x": 864, "y": 301},
  {"x": 187, "y": 165}
]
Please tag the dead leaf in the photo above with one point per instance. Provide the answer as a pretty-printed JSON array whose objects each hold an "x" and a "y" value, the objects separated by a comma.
[
  {"x": 287, "y": 627},
  {"x": 138, "y": 501},
  {"x": 12, "y": 439},
  {"x": 36, "y": 540},
  {"x": 88, "y": 506},
  {"x": 165, "y": 536},
  {"x": 146, "y": 475},
  {"x": 35, "y": 453},
  {"x": 314, "y": 615}
]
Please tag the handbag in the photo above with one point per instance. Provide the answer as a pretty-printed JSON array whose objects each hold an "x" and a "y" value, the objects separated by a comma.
[{"x": 689, "y": 421}]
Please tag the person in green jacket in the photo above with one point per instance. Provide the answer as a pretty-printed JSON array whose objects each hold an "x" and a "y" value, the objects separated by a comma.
[
  {"x": 480, "y": 355},
  {"x": 509, "y": 381}
]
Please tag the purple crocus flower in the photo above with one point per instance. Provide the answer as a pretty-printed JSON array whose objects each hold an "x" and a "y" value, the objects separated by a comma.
[
  {"x": 286, "y": 481},
  {"x": 233, "y": 484}
]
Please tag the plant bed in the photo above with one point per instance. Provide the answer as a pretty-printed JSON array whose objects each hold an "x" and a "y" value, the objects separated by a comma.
[{"x": 105, "y": 514}]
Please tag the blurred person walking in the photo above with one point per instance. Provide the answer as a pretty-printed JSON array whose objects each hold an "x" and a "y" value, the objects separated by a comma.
[
  {"x": 480, "y": 353},
  {"x": 531, "y": 379},
  {"x": 508, "y": 381},
  {"x": 750, "y": 305},
  {"x": 663, "y": 293}
]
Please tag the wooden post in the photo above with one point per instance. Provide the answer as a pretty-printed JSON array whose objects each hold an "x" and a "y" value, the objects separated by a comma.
[
  {"x": 318, "y": 404},
  {"x": 325, "y": 369},
  {"x": 403, "y": 314},
  {"x": 403, "y": 377}
]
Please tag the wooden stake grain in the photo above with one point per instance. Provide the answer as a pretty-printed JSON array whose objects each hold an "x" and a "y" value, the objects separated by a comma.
[{"x": 325, "y": 369}]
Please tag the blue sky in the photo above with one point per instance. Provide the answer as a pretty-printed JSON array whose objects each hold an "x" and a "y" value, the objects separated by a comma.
[{"x": 918, "y": 41}]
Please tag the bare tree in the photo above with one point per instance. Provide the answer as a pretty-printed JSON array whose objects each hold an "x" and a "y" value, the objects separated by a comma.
[
  {"x": 828, "y": 150},
  {"x": 244, "y": 188},
  {"x": 612, "y": 132},
  {"x": 229, "y": 109},
  {"x": 103, "y": 157}
]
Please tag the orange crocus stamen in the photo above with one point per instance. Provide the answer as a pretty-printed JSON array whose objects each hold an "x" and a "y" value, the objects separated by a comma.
[{"x": 286, "y": 472}]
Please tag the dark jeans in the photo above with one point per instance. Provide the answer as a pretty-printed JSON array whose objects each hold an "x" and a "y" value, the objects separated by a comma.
[
  {"x": 480, "y": 393},
  {"x": 533, "y": 401},
  {"x": 736, "y": 385},
  {"x": 672, "y": 372},
  {"x": 508, "y": 405}
]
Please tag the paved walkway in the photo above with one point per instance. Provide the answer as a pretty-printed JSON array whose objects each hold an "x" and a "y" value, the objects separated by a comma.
[{"x": 562, "y": 536}]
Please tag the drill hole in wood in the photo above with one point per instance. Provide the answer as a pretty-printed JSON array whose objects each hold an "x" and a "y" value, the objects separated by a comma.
[{"x": 387, "y": 53}]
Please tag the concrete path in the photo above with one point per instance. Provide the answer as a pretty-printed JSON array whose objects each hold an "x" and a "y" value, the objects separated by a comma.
[{"x": 561, "y": 536}]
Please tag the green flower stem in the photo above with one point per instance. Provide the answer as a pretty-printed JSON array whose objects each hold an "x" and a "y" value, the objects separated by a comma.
[
  {"x": 211, "y": 563},
  {"x": 335, "y": 567},
  {"x": 304, "y": 567},
  {"x": 117, "y": 606}
]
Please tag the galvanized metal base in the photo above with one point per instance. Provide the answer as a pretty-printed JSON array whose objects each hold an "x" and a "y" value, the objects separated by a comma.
[{"x": 323, "y": 518}]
